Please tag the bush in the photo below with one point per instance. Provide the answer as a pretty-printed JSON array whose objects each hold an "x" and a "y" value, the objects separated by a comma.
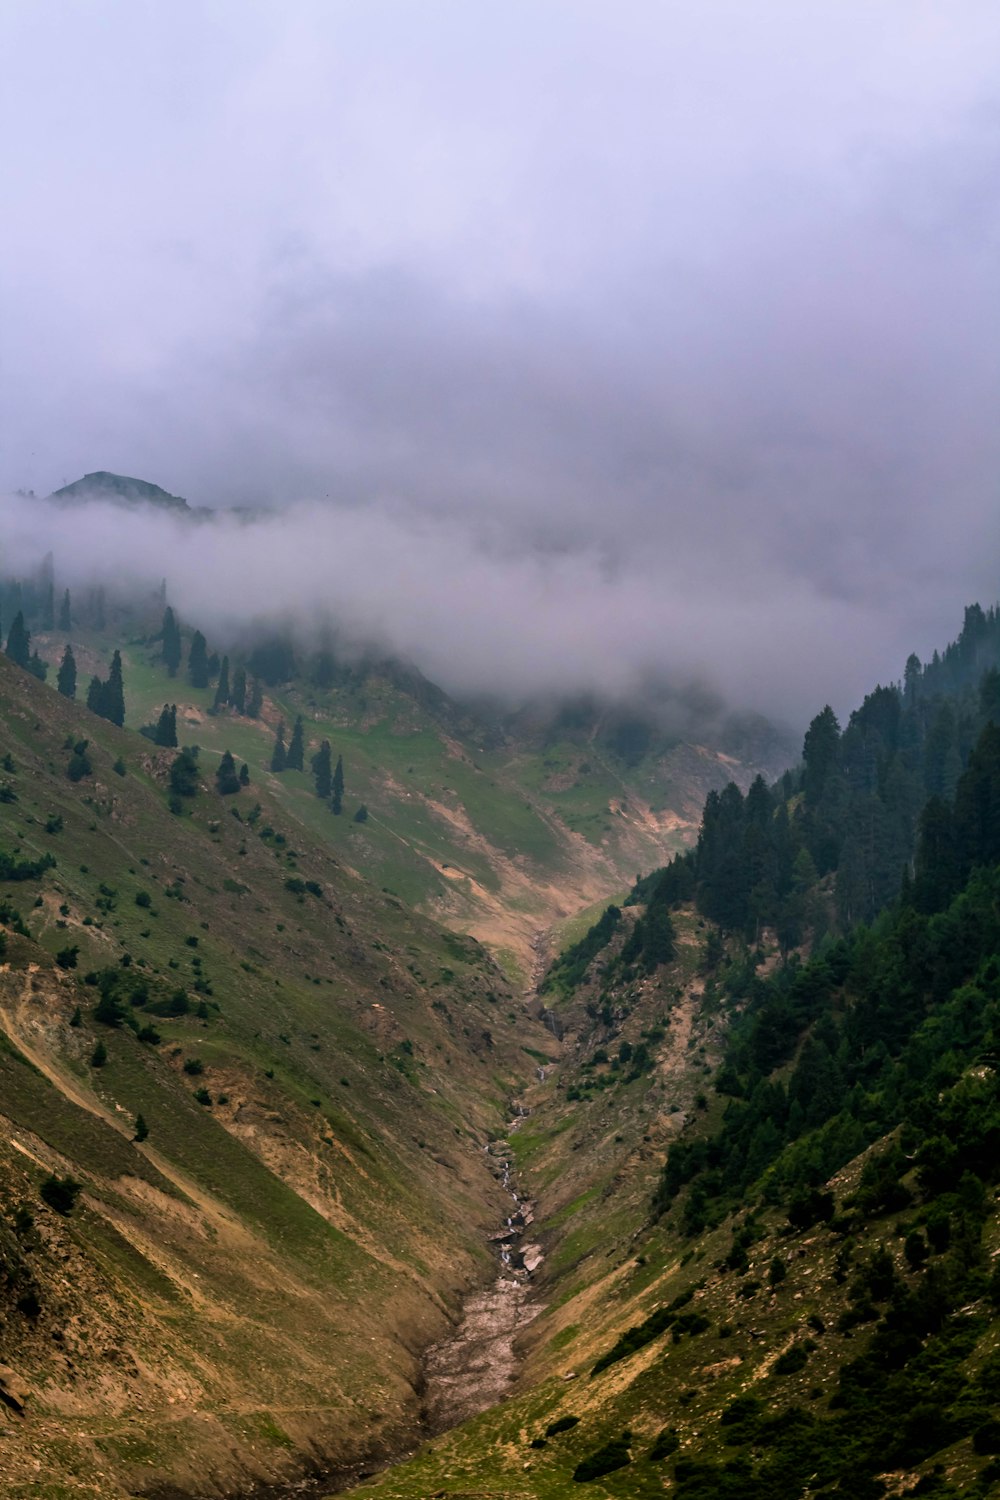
[
  {"x": 605, "y": 1460},
  {"x": 60, "y": 1193},
  {"x": 194, "y": 1066},
  {"x": 66, "y": 957},
  {"x": 562, "y": 1424}
]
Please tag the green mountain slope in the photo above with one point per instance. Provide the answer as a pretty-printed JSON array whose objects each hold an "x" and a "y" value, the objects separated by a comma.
[
  {"x": 767, "y": 1186},
  {"x": 318, "y": 1069}
]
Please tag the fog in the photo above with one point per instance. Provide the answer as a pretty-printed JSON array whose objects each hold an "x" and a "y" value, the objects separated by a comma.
[{"x": 570, "y": 349}]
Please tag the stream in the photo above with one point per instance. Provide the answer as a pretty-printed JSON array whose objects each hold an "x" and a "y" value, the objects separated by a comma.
[{"x": 474, "y": 1367}]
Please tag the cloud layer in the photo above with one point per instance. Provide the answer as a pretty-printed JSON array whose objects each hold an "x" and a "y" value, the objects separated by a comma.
[{"x": 581, "y": 346}]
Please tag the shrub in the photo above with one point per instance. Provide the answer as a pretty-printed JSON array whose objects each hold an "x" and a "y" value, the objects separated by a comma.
[
  {"x": 613, "y": 1455},
  {"x": 60, "y": 1193},
  {"x": 66, "y": 957}
]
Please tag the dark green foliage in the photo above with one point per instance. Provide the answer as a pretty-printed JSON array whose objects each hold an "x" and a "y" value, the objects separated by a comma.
[
  {"x": 198, "y": 661},
  {"x": 337, "y": 789},
  {"x": 165, "y": 732},
  {"x": 238, "y": 694},
  {"x": 60, "y": 1193},
  {"x": 184, "y": 773},
  {"x": 667, "y": 1442},
  {"x": 140, "y": 1129},
  {"x": 226, "y": 779},
  {"x": 79, "y": 762},
  {"x": 255, "y": 702},
  {"x": 561, "y": 1424},
  {"x": 322, "y": 770},
  {"x": 171, "y": 637},
  {"x": 65, "y": 613},
  {"x": 203, "y": 1096},
  {"x": 273, "y": 661},
  {"x": 66, "y": 958},
  {"x": 244, "y": 774},
  {"x": 279, "y": 754},
  {"x": 19, "y": 642},
  {"x": 572, "y": 964},
  {"x": 296, "y": 748},
  {"x": 604, "y": 1460},
  {"x": 24, "y": 869},
  {"x": 361, "y": 816},
  {"x": 644, "y": 1333},
  {"x": 99, "y": 1056},
  {"x": 194, "y": 1066},
  {"x": 222, "y": 691},
  {"x": 66, "y": 681},
  {"x": 107, "y": 699}
]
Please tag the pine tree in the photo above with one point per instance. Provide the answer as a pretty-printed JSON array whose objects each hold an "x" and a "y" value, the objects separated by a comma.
[
  {"x": 222, "y": 691},
  {"x": 244, "y": 774},
  {"x": 337, "y": 792},
  {"x": 279, "y": 755},
  {"x": 226, "y": 779},
  {"x": 95, "y": 695},
  {"x": 141, "y": 1129},
  {"x": 65, "y": 614},
  {"x": 171, "y": 641},
  {"x": 166, "y": 728},
  {"x": 296, "y": 748},
  {"x": 256, "y": 701},
  {"x": 49, "y": 606},
  {"x": 19, "y": 642},
  {"x": 115, "y": 692},
  {"x": 321, "y": 769},
  {"x": 238, "y": 693},
  {"x": 67, "y": 673},
  {"x": 198, "y": 661}
]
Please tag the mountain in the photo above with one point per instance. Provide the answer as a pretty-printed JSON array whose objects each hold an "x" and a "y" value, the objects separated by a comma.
[
  {"x": 271, "y": 1062},
  {"x": 249, "y": 1284},
  {"x": 120, "y": 489}
]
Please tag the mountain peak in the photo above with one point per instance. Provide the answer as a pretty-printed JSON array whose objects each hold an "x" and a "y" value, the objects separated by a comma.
[{"x": 119, "y": 488}]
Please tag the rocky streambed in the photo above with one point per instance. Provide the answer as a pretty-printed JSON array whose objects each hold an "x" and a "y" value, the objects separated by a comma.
[{"x": 474, "y": 1367}]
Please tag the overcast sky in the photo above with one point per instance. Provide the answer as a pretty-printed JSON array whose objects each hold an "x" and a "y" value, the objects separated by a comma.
[{"x": 611, "y": 338}]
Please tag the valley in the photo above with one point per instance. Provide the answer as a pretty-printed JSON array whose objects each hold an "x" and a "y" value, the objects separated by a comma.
[{"x": 439, "y": 1150}]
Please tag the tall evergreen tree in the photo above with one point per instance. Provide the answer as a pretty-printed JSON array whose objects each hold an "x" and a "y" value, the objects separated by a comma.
[
  {"x": 171, "y": 641},
  {"x": 48, "y": 605},
  {"x": 115, "y": 692},
  {"x": 67, "y": 673},
  {"x": 279, "y": 755},
  {"x": 337, "y": 790},
  {"x": 65, "y": 613},
  {"x": 19, "y": 642},
  {"x": 226, "y": 778},
  {"x": 256, "y": 700},
  {"x": 296, "y": 748},
  {"x": 198, "y": 661},
  {"x": 166, "y": 728},
  {"x": 95, "y": 696},
  {"x": 321, "y": 769},
  {"x": 222, "y": 690},
  {"x": 238, "y": 693}
]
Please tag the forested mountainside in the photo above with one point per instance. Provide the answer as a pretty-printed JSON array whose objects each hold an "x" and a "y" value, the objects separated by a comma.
[
  {"x": 494, "y": 822},
  {"x": 246, "y": 1090},
  {"x": 781, "y": 1276}
]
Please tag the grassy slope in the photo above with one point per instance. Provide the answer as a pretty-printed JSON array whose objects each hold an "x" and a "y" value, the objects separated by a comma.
[
  {"x": 500, "y": 841},
  {"x": 593, "y": 1163},
  {"x": 363, "y": 1058}
]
